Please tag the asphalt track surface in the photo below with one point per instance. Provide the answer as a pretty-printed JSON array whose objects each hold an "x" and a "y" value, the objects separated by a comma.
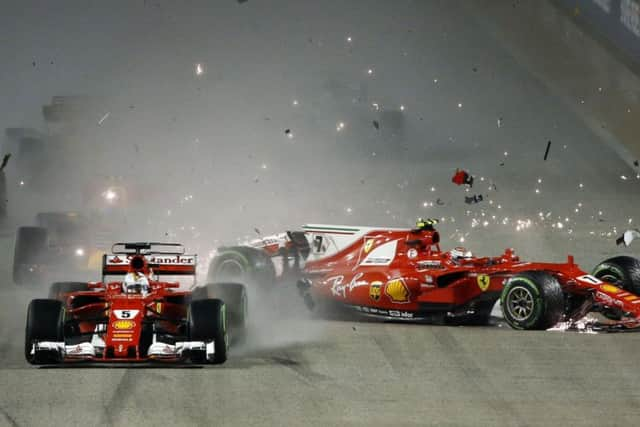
[{"x": 300, "y": 371}]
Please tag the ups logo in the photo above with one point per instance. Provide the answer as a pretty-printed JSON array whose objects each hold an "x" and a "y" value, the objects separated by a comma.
[{"x": 375, "y": 290}]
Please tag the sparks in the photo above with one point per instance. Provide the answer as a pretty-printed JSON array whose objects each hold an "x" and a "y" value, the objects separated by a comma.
[{"x": 199, "y": 70}]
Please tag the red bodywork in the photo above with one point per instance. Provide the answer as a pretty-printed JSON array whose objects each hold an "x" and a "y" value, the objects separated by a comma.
[
  {"x": 125, "y": 321},
  {"x": 413, "y": 279}
]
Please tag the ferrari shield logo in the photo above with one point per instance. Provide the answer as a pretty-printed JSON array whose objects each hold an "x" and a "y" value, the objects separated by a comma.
[
  {"x": 483, "y": 282},
  {"x": 368, "y": 244},
  {"x": 374, "y": 290},
  {"x": 397, "y": 291}
]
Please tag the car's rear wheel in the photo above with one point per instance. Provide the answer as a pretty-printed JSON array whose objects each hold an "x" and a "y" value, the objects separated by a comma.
[
  {"x": 532, "y": 300},
  {"x": 243, "y": 264},
  {"x": 207, "y": 321},
  {"x": 45, "y": 322},
  {"x": 30, "y": 246},
  {"x": 622, "y": 271},
  {"x": 58, "y": 289}
]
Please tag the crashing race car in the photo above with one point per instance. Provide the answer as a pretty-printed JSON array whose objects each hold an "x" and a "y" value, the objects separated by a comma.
[
  {"x": 402, "y": 274},
  {"x": 139, "y": 317},
  {"x": 61, "y": 242}
]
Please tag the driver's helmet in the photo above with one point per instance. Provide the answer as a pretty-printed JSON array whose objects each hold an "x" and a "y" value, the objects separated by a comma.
[
  {"x": 460, "y": 253},
  {"x": 135, "y": 283},
  {"x": 425, "y": 224}
]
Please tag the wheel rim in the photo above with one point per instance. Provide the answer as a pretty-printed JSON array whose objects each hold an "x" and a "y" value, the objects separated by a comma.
[
  {"x": 230, "y": 269},
  {"x": 611, "y": 278},
  {"x": 520, "y": 303}
]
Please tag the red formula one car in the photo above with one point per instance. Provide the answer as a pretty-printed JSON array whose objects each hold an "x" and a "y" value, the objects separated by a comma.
[
  {"x": 402, "y": 274},
  {"x": 138, "y": 317}
]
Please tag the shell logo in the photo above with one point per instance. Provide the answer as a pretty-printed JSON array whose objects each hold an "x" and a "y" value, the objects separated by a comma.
[
  {"x": 610, "y": 288},
  {"x": 397, "y": 291},
  {"x": 123, "y": 324}
]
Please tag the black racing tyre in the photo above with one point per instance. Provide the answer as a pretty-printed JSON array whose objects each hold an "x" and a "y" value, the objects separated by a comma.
[
  {"x": 45, "y": 322},
  {"x": 234, "y": 296},
  {"x": 622, "y": 271},
  {"x": 58, "y": 289},
  {"x": 207, "y": 321},
  {"x": 30, "y": 246},
  {"x": 242, "y": 264},
  {"x": 481, "y": 316},
  {"x": 532, "y": 300}
]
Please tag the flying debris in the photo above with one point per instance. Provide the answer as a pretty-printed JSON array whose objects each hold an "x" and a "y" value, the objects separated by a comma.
[
  {"x": 462, "y": 177},
  {"x": 635, "y": 163},
  {"x": 103, "y": 118},
  {"x": 628, "y": 237},
  {"x": 5, "y": 160},
  {"x": 499, "y": 122},
  {"x": 546, "y": 152},
  {"x": 439, "y": 202},
  {"x": 476, "y": 198},
  {"x": 376, "y": 124}
]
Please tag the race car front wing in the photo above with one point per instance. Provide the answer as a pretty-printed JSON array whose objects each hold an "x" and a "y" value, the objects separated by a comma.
[{"x": 89, "y": 351}]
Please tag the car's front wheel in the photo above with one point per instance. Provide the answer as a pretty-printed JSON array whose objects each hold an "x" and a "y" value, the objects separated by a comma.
[
  {"x": 532, "y": 300},
  {"x": 207, "y": 322},
  {"x": 45, "y": 322},
  {"x": 622, "y": 271}
]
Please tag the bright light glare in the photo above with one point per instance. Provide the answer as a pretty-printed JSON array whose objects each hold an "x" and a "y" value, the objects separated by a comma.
[{"x": 110, "y": 195}]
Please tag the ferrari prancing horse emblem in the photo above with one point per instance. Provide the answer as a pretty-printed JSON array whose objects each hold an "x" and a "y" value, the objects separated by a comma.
[
  {"x": 483, "y": 282},
  {"x": 368, "y": 244}
]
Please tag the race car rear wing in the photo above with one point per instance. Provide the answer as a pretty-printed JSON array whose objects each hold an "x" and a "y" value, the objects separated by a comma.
[
  {"x": 164, "y": 259},
  {"x": 145, "y": 248}
]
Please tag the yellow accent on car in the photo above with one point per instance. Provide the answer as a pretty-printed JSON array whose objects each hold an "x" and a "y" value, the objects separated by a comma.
[
  {"x": 397, "y": 291},
  {"x": 483, "y": 282}
]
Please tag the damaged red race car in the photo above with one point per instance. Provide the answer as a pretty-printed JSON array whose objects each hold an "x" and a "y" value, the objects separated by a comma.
[
  {"x": 402, "y": 274},
  {"x": 138, "y": 317}
]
